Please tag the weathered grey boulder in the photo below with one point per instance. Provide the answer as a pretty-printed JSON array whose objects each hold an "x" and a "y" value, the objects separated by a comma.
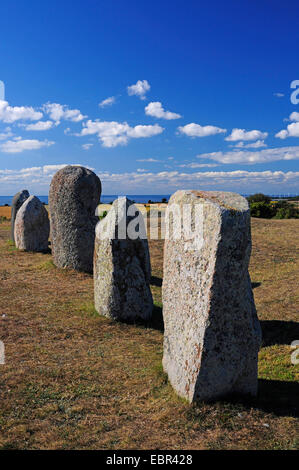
[
  {"x": 74, "y": 195},
  {"x": 17, "y": 201},
  {"x": 212, "y": 333},
  {"x": 32, "y": 226},
  {"x": 122, "y": 269}
]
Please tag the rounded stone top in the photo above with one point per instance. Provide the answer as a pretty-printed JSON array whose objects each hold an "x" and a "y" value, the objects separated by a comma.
[
  {"x": 32, "y": 203},
  {"x": 73, "y": 174},
  {"x": 20, "y": 197},
  {"x": 76, "y": 181},
  {"x": 223, "y": 199}
]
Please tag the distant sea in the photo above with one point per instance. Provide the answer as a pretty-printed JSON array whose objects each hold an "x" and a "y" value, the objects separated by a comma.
[
  {"x": 104, "y": 199},
  {"x": 144, "y": 198}
]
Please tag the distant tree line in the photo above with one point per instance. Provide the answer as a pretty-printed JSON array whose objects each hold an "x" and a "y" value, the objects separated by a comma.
[{"x": 264, "y": 207}]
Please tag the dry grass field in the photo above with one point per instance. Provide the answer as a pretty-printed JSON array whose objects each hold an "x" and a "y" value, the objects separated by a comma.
[
  {"x": 75, "y": 380},
  {"x": 5, "y": 211}
]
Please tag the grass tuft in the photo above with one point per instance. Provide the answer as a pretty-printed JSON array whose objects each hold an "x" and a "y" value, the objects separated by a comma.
[{"x": 46, "y": 265}]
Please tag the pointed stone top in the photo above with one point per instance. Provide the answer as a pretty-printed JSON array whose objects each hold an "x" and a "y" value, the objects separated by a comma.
[{"x": 122, "y": 212}]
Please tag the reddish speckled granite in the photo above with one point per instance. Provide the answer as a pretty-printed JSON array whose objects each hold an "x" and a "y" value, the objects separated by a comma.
[
  {"x": 212, "y": 333},
  {"x": 17, "y": 201},
  {"x": 74, "y": 195},
  {"x": 122, "y": 269},
  {"x": 32, "y": 226}
]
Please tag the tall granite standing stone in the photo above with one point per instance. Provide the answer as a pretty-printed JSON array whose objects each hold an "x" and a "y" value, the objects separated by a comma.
[
  {"x": 17, "y": 201},
  {"x": 32, "y": 226},
  {"x": 212, "y": 333},
  {"x": 122, "y": 268},
  {"x": 74, "y": 195}
]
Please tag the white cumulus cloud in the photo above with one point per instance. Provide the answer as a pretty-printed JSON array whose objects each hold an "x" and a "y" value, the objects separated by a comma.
[
  {"x": 37, "y": 179},
  {"x": 39, "y": 126},
  {"x": 148, "y": 160},
  {"x": 240, "y": 181},
  {"x": 19, "y": 145},
  {"x": 112, "y": 133},
  {"x": 292, "y": 130},
  {"x": 198, "y": 165},
  {"x": 254, "y": 145},
  {"x": 144, "y": 131},
  {"x": 242, "y": 134},
  {"x": 6, "y": 134},
  {"x": 10, "y": 114},
  {"x": 50, "y": 170},
  {"x": 107, "y": 102},
  {"x": 196, "y": 130},
  {"x": 156, "y": 109},
  {"x": 251, "y": 157},
  {"x": 139, "y": 89},
  {"x": 58, "y": 112},
  {"x": 294, "y": 116}
]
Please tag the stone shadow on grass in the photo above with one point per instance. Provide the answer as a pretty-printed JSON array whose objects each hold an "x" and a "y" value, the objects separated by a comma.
[
  {"x": 274, "y": 396},
  {"x": 156, "y": 281},
  {"x": 156, "y": 322},
  {"x": 278, "y": 397},
  {"x": 279, "y": 332},
  {"x": 48, "y": 251},
  {"x": 255, "y": 284}
]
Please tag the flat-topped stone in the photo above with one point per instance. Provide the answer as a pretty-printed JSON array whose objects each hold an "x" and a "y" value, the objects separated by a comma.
[
  {"x": 212, "y": 333},
  {"x": 32, "y": 226},
  {"x": 17, "y": 201},
  {"x": 122, "y": 269},
  {"x": 226, "y": 200},
  {"x": 74, "y": 194}
]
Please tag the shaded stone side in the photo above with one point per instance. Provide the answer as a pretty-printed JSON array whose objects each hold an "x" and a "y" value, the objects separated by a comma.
[
  {"x": 122, "y": 269},
  {"x": 212, "y": 333},
  {"x": 32, "y": 226},
  {"x": 17, "y": 201},
  {"x": 74, "y": 195}
]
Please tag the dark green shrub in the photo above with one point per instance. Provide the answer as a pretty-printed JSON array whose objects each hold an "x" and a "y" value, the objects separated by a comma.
[
  {"x": 259, "y": 197},
  {"x": 261, "y": 209},
  {"x": 275, "y": 209},
  {"x": 284, "y": 210}
]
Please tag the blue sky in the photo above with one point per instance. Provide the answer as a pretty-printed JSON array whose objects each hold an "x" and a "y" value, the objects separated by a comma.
[{"x": 154, "y": 96}]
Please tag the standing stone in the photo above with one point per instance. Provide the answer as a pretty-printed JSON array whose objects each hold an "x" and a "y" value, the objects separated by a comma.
[
  {"x": 212, "y": 333},
  {"x": 74, "y": 195},
  {"x": 122, "y": 268},
  {"x": 17, "y": 201},
  {"x": 32, "y": 226}
]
